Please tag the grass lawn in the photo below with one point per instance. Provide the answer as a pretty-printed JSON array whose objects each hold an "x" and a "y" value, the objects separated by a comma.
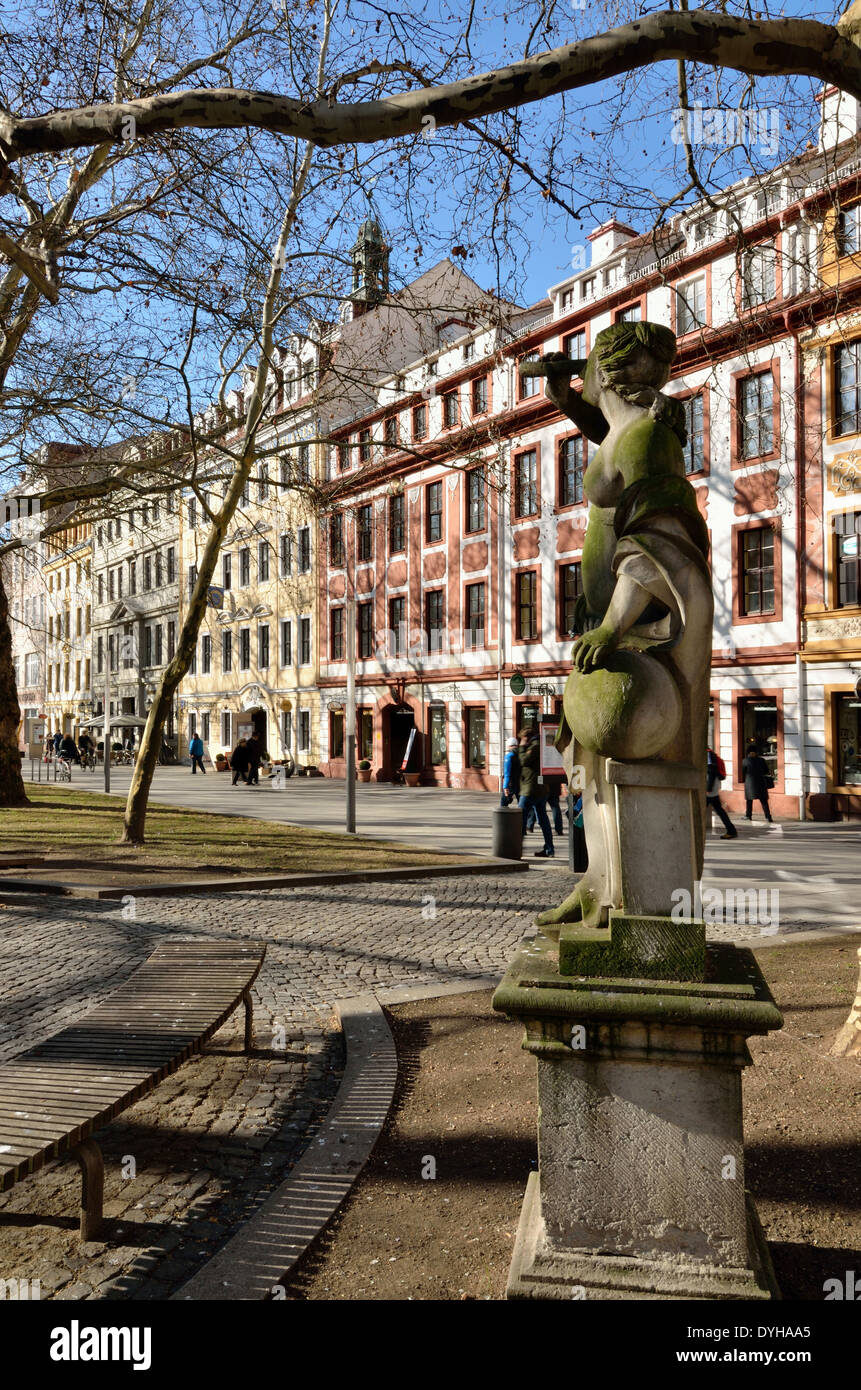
[{"x": 82, "y": 828}]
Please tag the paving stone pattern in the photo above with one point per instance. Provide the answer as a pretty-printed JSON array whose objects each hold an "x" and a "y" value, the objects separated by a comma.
[{"x": 198, "y": 1155}]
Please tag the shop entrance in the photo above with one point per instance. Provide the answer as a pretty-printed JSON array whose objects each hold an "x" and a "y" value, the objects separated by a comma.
[{"x": 398, "y": 723}]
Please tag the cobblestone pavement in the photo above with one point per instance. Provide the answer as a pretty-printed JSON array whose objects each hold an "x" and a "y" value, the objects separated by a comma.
[{"x": 195, "y": 1157}]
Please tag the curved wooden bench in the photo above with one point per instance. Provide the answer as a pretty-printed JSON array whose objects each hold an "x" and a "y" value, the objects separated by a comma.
[{"x": 54, "y": 1097}]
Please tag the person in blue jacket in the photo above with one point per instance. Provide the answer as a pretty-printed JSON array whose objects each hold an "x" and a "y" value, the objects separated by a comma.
[
  {"x": 195, "y": 748},
  {"x": 510, "y": 774}
]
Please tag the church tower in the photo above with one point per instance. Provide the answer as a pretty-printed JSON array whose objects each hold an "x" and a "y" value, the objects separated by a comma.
[{"x": 370, "y": 257}]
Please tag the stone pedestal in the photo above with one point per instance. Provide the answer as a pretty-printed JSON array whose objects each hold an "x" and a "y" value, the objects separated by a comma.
[{"x": 640, "y": 1191}]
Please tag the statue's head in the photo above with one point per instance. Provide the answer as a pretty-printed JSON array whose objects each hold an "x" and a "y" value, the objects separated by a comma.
[{"x": 628, "y": 357}]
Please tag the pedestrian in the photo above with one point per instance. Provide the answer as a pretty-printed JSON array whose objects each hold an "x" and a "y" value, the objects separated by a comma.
[
  {"x": 510, "y": 774},
  {"x": 195, "y": 748},
  {"x": 532, "y": 791},
  {"x": 554, "y": 787},
  {"x": 254, "y": 755},
  {"x": 239, "y": 761},
  {"x": 757, "y": 780},
  {"x": 58, "y": 739},
  {"x": 715, "y": 773},
  {"x": 69, "y": 749}
]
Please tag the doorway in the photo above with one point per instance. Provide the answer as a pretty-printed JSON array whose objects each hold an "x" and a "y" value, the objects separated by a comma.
[
  {"x": 258, "y": 723},
  {"x": 398, "y": 723}
]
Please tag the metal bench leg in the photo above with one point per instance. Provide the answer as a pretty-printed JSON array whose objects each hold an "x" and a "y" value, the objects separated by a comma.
[
  {"x": 249, "y": 1020},
  {"x": 89, "y": 1156}
]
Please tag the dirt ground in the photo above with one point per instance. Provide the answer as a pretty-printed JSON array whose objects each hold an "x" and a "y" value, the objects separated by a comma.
[{"x": 465, "y": 1110}]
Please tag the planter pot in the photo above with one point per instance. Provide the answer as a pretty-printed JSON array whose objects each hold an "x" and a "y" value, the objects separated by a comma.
[
  {"x": 412, "y": 778},
  {"x": 364, "y": 774}
]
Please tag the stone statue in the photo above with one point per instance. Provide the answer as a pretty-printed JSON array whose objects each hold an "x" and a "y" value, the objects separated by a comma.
[{"x": 638, "y": 691}]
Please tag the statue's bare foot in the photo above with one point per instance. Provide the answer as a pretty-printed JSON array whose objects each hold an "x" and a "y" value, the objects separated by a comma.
[{"x": 580, "y": 906}]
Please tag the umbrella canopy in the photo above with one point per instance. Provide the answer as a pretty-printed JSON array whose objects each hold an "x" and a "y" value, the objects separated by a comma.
[{"x": 117, "y": 721}]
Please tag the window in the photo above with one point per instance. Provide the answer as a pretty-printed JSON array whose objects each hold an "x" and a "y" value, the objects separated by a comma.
[
  {"x": 336, "y": 733},
  {"x": 528, "y": 386},
  {"x": 757, "y": 415},
  {"x": 476, "y": 737},
  {"x": 336, "y": 635},
  {"x": 304, "y": 549},
  {"x": 171, "y": 640},
  {"x": 390, "y": 431},
  {"x": 433, "y": 512},
  {"x": 304, "y": 730},
  {"x": 287, "y": 728},
  {"x": 398, "y": 625},
  {"x": 479, "y": 395},
  {"x": 206, "y": 654},
  {"x": 476, "y": 514},
  {"x": 159, "y": 655},
  {"x": 848, "y": 560},
  {"x": 262, "y": 486},
  {"x": 695, "y": 447},
  {"x": 848, "y": 231},
  {"x": 111, "y": 583},
  {"x": 691, "y": 305},
  {"x": 631, "y": 314},
  {"x": 420, "y": 422},
  {"x": 365, "y": 622},
  {"x": 101, "y": 588},
  {"x": 435, "y": 619},
  {"x": 171, "y": 565},
  {"x": 225, "y": 729},
  {"x": 263, "y": 646},
  {"x": 847, "y": 384},
  {"x": 119, "y": 581},
  {"x": 396, "y": 524},
  {"x": 159, "y": 577},
  {"x": 262, "y": 561},
  {"x": 365, "y": 732},
  {"x": 244, "y": 566},
  {"x": 227, "y": 651},
  {"x": 192, "y": 513},
  {"x": 848, "y": 741},
  {"x": 571, "y": 465},
  {"x": 286, "y": 642},
  {"x": 204, "y": 727},
  {"x": 100, "y": 655},
  {"x": 110, "y": 531},
  {"x": 757, "y": 568},
  {"x": 244, "y": 648},
  {"x": 527, "y": 606},
  {"x": 438, "y": 741},
  {"x": 343, "y": 457},
  {"x": 365, "y": 446},
  {"x": 526, "y": 483},
  {"x": 304, "y": 641},
  {"x": 285, "y": 553},
  {"x": 468, "y": 351},
  {"x": 758, "y": 278},
  {"x": 192, "y": 579},
  {"x": 450, "y": 411},
  {"x": 574, "y": 344},
  {"x": 284, "y": 472},
  {"x": 336, "y": 540},
  {"x": 570, "y": 589},
  {"x": 226, "y": 570},
  {"x": 365, "y": 533},
  {"x": 474, "y": 616},
  {"x": 303, "y": 469}
]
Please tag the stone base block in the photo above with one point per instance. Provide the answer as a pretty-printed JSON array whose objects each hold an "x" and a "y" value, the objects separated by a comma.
[
  {"x": 656, "y": 948},
  {"x": 539, "y": 1271}
]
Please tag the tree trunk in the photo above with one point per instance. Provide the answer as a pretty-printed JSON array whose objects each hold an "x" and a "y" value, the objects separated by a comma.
[
  {"x": 12, "y": 791},
  {"x": 848, "y": 1041}
]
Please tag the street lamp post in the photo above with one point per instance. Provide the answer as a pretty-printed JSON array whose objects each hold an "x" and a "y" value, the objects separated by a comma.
[{"x": 350, "y": 712}]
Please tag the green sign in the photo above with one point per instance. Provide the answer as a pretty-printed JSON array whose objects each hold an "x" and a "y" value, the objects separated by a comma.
[{"x": 517, "y": 684}]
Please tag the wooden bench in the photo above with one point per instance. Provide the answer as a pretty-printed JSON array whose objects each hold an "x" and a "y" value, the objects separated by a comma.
[{"x": 54, "y": 1097}]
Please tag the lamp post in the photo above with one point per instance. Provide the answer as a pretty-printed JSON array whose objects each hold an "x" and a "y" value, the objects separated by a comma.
[{"x": 350, "y": 711}]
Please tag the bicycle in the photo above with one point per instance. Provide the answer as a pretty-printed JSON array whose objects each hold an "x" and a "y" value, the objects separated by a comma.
[
  {"x": 88, "y": 761},
  {"x": 62, "y": 770}
]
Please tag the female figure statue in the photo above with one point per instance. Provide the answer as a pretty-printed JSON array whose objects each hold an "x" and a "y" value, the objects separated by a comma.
[{"x": 638, "y": 690}]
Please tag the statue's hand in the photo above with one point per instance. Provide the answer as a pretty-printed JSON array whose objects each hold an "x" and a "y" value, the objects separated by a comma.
[
  {"x": 594, "y": 648},
  {"x": 557, "y": 370}
]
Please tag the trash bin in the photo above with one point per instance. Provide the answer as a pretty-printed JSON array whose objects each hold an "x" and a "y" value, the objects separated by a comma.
[{"x": 508, "y": 832}]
